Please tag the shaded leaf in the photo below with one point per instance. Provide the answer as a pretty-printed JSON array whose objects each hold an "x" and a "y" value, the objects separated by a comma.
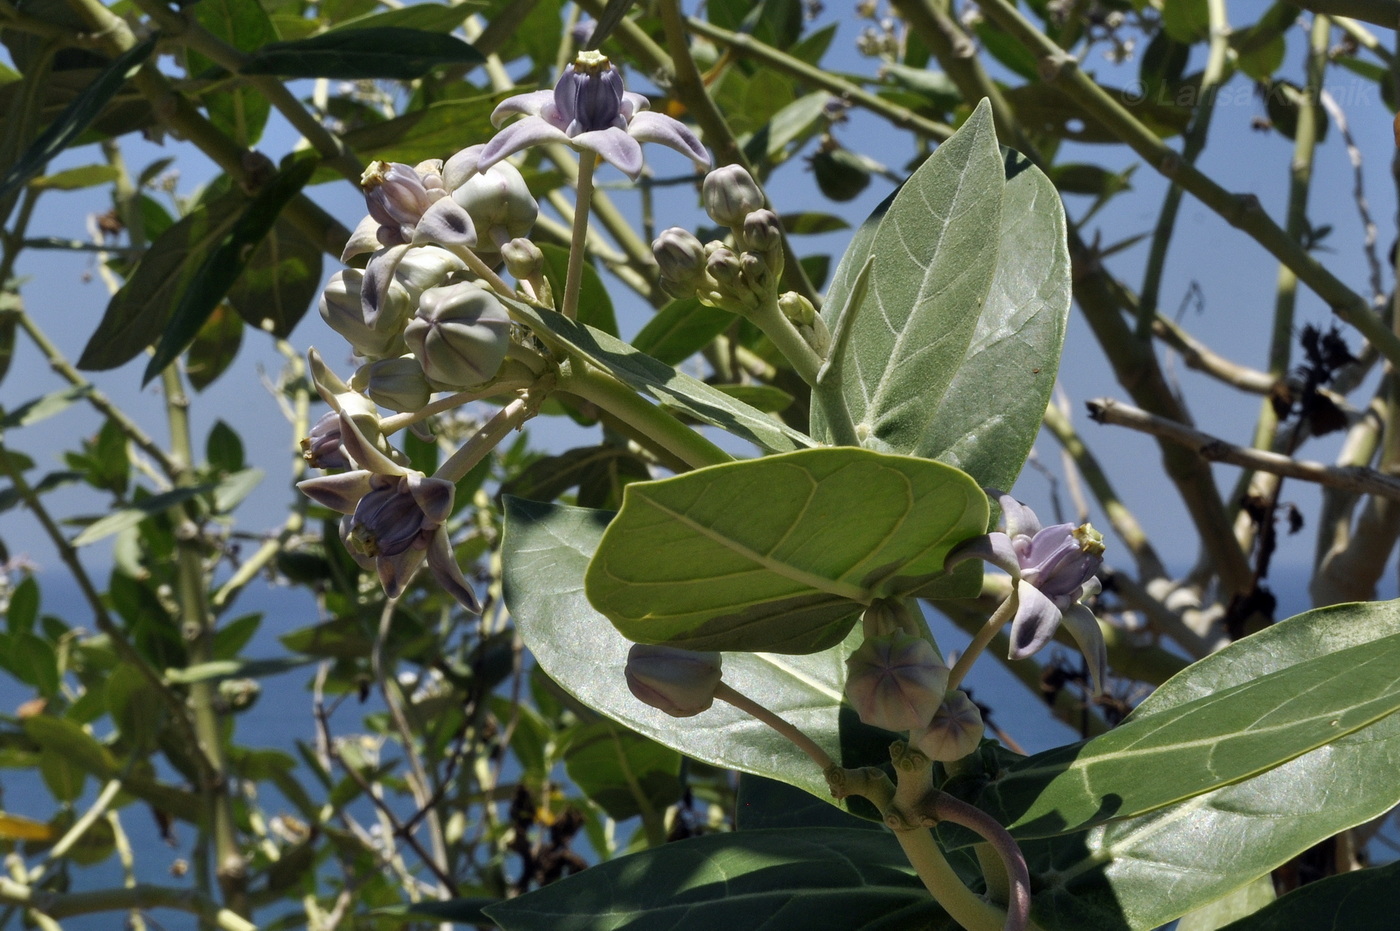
[
  {"x": 1361, "y": 900},
  {"x": 681, "y": 329},
  {"x": 595, "y": 307},
  {"x": 123, "y": 518},
  {"x": 280, "y": 281},
  {"x": 240, "y": 112},
  {"x": 214, "y": 347},
  {"x": 623, "y": 772},
  {"x": 350, "y": 54}
]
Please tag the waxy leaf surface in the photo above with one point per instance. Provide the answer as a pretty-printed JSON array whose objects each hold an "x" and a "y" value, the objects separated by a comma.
[
  {"x": 802, "y": 878},
  {"x": 779, "y": 554},
  {"x": 954, "y": 351},
  {"x": 1111, "y": 876},
  {"x": 546, "y": 551}
]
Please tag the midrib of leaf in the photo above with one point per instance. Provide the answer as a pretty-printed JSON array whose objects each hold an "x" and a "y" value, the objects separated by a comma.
[{"x": 787, "y": 571}]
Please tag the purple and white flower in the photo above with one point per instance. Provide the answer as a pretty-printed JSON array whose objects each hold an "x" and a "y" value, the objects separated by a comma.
[
  {"x": 1053, "y": 569},
  {"x": 395, "y": 518},
  {"x": 590, "y": 110}
]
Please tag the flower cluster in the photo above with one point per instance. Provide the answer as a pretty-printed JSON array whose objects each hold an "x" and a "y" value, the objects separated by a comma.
[{"x": 425, "y": 312}]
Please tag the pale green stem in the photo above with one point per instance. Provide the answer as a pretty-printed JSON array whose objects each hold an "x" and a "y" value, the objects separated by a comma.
[
  {"x": 946, "y": 887},
  {"x": 778, "y": 328},
  {"x": 1013, "y": 869},
  {"x": 484, "y": 271},
  {"x": 80, "y": 827},
  {"x": 1194, "y": 144},
  {"x": 486, "y": 439},
  {"x": 67, "y": 904},
  {"x": 1004, "y": 612},
  {"x": 726, "y": 693},
  {"x": 649, "y": 421},
  {"x": 578, "y": 245},
  {"x": 396, "y": 422}
]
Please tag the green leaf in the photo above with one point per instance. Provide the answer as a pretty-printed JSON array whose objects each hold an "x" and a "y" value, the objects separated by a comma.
[
  {"x": 760, "y": 397},
  {"x": 137, "y": 314},
  {"x": 623, "y": 772},
  {"x": 226, "y": 261},
  {"x": 76, "y": 178},
  {"x": 280, "y": 281},
  {"x": 821, "y": 533},
  {"x": 802, "y": 878},
  {"x": 1171, "y": 752},
  {"x": 432, "y": 17},
  {"x": 595, "y": 307},
  {"x": 669, "y": 388},
  {"x": 1362, "y": 900},
  {"x": 240, "y": 112},
  {"x": 921, "y": 371},
  {"x": 41, "y": 408},
  {"x": 546, "y": 551},
  {"x": 466, "y": 911},
  {"x": 76, "y": 117},
  {"x": 232, "y": 489},
  {"x": 425, "y": 133},
  {"x": 33, "y": 661},
  {"x": 135, "y": 706},
  {"x": 23, "y": 609},
  {"x": 351, "y": 54},
  {"x": 933, "y": 261},
  {"x": 788, "y": 129},
  {"x": 1246, "y": 900},
  {"x": 681, "y": 329},
  {"x": 214, "y": 348},
  {"x": 1208, "y": 845},
  {"x": 123, "y": 518},
  {"x": 223, "y": 449}
]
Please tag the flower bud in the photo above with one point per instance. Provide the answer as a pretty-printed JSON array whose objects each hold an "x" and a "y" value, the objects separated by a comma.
[
  {"x": 725, "y": 267},
  {"x": 425, "y": 267},
  {"x": 954, "y": 732},
  {"x": 809, "y": 323},
  {"x": 523, "y": 259},
  {"x": 758, "y": 277},
  {"x": 499, "y": 202},
  {"x": 460, "y": 335},
  {"x": 322, "y": 448},
  {"x": 342, "y": 308},
  {"x": 397, "y": 384},
  {"x": 680, "y": 255},
  {"x": 895, "y": 681},
  {"x": 763, "y": 231},
  {"x": 730, "y": 194},
  {"x": 679, "y": 682}
]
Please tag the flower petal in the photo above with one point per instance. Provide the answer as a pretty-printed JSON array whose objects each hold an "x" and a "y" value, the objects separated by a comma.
[
  {"x": 1019, "y": 519},
  {"x": 445, "y": 223},
  {"x": 994, "y": 547},
  {"x": 364, "y": 239},
  {"x": 461, "y": 166},
  {"x": 528, "y": 104},
  {"x": 366, "y": 454},
  {"x": 1084, "y": 628},
  {"x": 434, "y": 496},
  {"x": 1035, "y": 621},
  {"x": 656, "y": 127},
  {"x": 338, "y": 492},
  {"x": 328, "y": 384},
  {"x": 448, "y": 574},
  {"x": 396, "y": 571},
  {"x": 530, "y": 131},
  {"x": 379, "y": 274},
  {"x": 613, "y": 146}
]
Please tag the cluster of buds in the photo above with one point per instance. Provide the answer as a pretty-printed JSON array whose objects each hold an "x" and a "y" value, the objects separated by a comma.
[{"x": 736, "y": 275}]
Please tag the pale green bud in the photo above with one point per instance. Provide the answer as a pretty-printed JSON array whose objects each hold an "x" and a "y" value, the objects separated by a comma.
[
  {"x": 426, "y": 267},
  {"x": 730, "y": 194},
  {"x": 397, "y": 384},
  {"x": 679, "y": 682},
  {"x": 895, "y": 681},
  {"x": 763, "y": 231},
  {"x": 343, "y": 310},
  {"x": 460, "y": 335},
  {"x": 499, "y": 202},
  {"x": 680, "y": 255},
  {"x": 523, "y": 259},
  {"x": 809, "y": 323},
  {"x": 955, "y": 730}
]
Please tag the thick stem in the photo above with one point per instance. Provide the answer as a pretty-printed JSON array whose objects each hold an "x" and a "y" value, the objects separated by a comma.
[
  {"x": 487, "y": 438},
  {"x": 778, "y": 328},
  {"x": 650, "y": 422},
  {"x": 578, "y": 243}
]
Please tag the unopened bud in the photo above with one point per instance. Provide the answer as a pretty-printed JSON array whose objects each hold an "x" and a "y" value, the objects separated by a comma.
[
  {"x": 460, "y": 335},
  {"x": 680, "y": 255},
  {"x": 397, "y": 384},
  {"x": 342, "y": 308},
  {"x": 725, "y": 267},
  {"x": 809, "y": 323},
  {"x": 322, "y": 448},
  {"x": 523, "y": 259},
  {"x": 895, "y": 681},
  {"x": 730, "y": 194},
  {"x": 679, "y": 682},
  {"x": 426, "y": 267},
  {"x": 955, "y": 730},
  {"x": 499, "y": 202},
  {"x": 763, "y": 231},
  {"x": 758, "y": 277}
]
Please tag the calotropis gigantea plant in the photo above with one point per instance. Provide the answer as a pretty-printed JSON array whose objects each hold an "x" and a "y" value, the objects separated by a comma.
[{"x": 764, "y": 611}]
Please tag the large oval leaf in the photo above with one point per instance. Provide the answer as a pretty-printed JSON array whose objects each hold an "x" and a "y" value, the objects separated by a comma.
[
  {"x": 779, "y": 554},
  {"x": 774, "y": 880},
  {"x": 1111, "y": 877},
  {"x": 545, "y": 552},
  {"x": 954, "y": 353}
]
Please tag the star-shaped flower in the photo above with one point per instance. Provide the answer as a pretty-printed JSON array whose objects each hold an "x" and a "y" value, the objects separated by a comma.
[
  {"x": 1053, "y": 570},
  {"x": 394, "y": 517},
  {"x": 591, "y": 111}
]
